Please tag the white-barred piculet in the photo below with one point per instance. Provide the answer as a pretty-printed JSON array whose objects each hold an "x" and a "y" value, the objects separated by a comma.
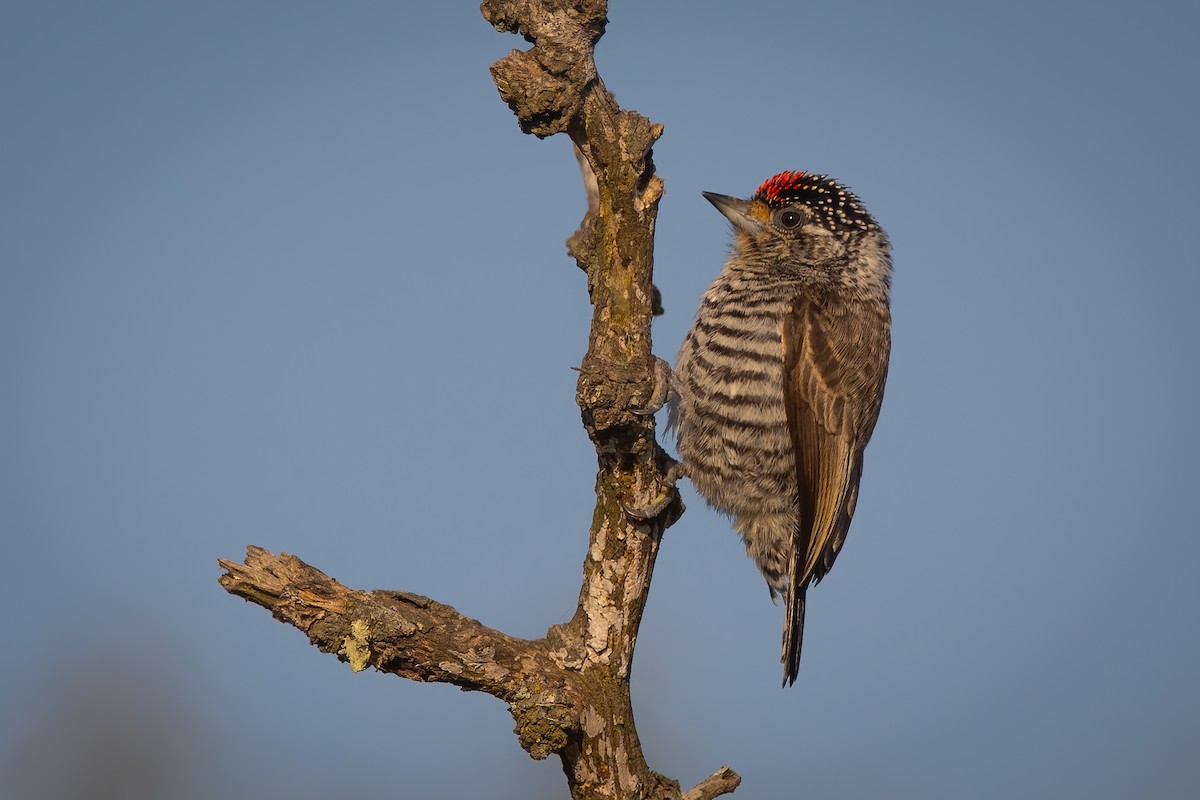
[{"x": 778, "y": 384}]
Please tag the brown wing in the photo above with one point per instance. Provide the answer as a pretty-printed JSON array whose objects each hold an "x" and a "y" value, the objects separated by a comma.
[{"x": 835, "y": 356}]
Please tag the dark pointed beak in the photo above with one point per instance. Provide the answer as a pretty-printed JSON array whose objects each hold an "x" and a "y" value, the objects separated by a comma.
[{"x": 736, "y": 211}]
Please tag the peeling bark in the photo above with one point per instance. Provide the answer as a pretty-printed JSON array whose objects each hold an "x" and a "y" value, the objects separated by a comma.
[{"x": 568, "y": 691}]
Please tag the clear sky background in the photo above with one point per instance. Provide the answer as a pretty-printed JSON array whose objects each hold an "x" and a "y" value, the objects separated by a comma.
[{"x": 288, "y": 274}]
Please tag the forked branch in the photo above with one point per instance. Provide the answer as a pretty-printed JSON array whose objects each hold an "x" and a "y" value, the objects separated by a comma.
[{"x": 568, "y": 691}]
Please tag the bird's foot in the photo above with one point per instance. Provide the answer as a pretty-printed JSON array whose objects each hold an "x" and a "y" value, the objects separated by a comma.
[
  {"x": 661, "y": 391},
  {"x": 667, "y": 494}
]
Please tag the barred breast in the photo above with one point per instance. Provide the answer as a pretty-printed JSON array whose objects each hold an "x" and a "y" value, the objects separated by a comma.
[{"x": 728, "y": 414}]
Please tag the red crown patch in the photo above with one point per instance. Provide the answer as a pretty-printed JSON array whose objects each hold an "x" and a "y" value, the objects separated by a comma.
[{"x": 774, "y": 188}]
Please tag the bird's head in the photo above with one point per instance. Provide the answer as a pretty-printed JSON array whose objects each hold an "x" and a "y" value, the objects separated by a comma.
[{"x": 804, "y": 221}]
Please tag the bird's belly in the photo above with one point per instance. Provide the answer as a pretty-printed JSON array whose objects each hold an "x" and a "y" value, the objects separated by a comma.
[
  {"x": 732, "y": 427},
  {"x": 740, "y": 468}
]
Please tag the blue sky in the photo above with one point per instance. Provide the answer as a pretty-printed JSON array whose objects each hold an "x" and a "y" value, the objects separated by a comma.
[{"x": 288, "y": 274}]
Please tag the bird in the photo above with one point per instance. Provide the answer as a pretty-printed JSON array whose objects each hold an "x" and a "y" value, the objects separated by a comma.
[{"x": 779, "y": 382}]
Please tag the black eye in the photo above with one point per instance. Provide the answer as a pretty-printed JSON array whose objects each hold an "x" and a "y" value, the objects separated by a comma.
[{"x": 789, "y": 219}]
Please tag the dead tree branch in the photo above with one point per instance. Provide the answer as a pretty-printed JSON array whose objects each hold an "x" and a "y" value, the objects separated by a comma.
[{"x": 568, "y": 691}]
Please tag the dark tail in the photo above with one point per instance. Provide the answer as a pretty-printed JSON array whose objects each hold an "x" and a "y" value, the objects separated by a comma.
[{"x": 793, "y": 631}]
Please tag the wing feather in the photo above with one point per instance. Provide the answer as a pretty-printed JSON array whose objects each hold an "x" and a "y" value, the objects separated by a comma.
[{"x": 835, "y": 355}]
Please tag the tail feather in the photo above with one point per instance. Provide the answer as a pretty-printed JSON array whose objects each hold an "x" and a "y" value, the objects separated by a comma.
[{"x": 793, "y": 631}]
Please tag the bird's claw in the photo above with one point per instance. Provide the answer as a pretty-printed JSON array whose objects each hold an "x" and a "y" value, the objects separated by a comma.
[
  {"x": 652, "y": 509},
  {"x": 667, "y": 494},
  {"x": 661, "y": 391}
]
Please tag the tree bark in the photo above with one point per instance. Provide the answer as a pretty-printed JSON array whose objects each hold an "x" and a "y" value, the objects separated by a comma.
[{"x": 569, "y": 690}]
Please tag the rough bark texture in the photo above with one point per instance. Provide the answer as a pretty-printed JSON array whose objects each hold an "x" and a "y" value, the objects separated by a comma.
[{"x": 568, "y": 691}]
